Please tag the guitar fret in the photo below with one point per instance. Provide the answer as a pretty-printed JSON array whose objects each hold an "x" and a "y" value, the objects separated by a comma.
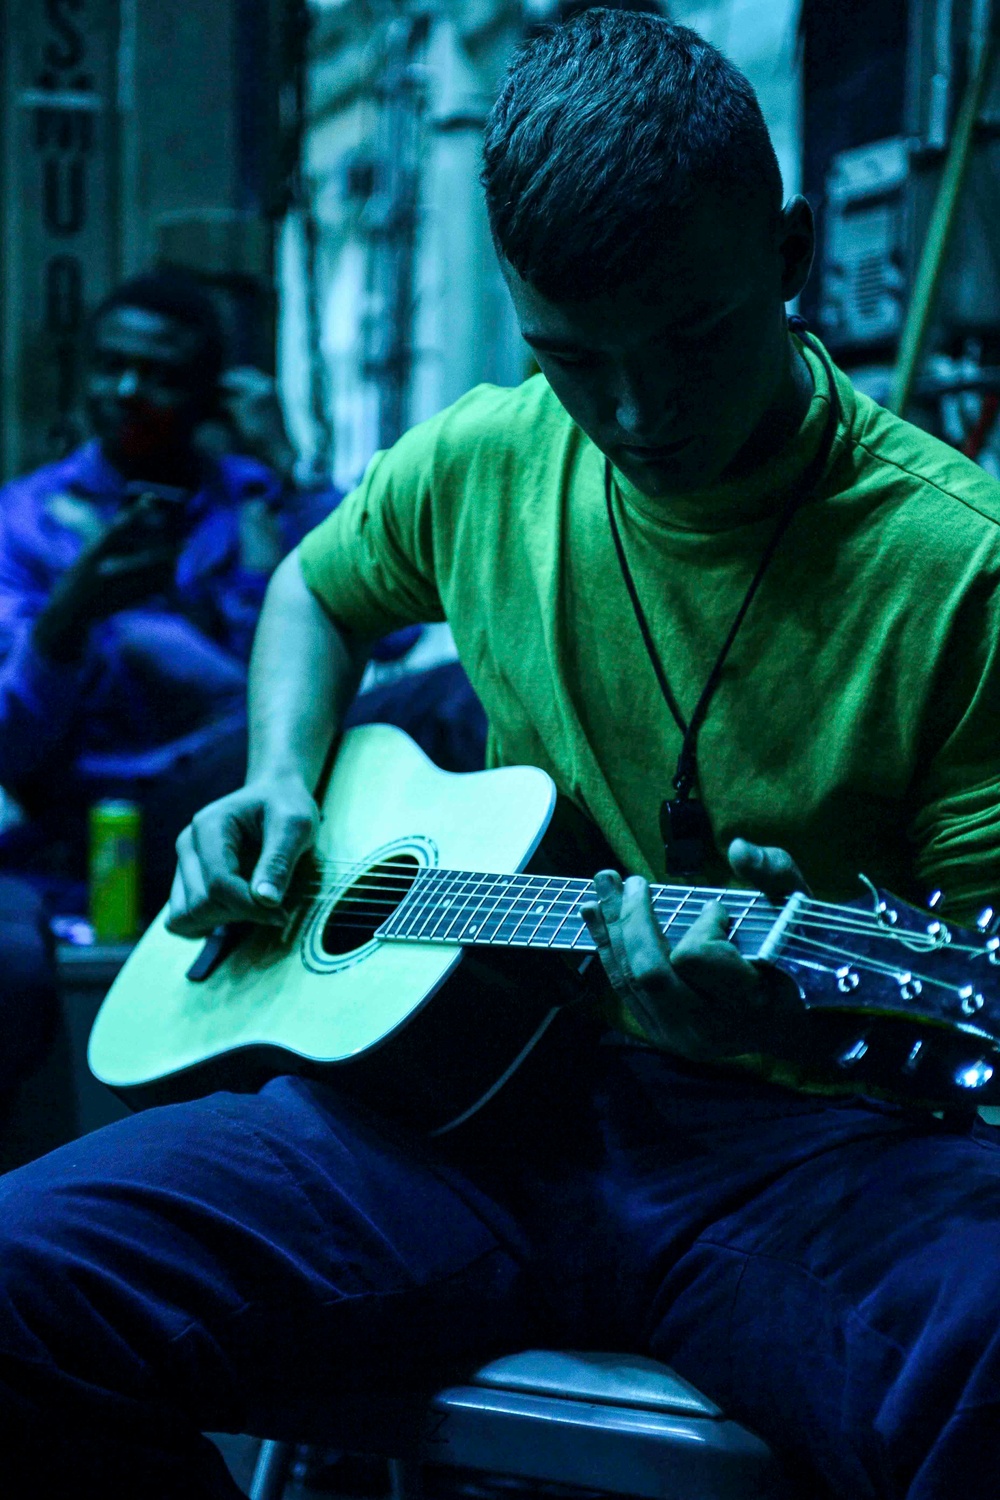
[
  {"x": 441, "y": 887},
  {"x": 448, "y": 907},
  {"x": 457, "y": 913},
  {"x": 546, "y": 914},
  {"x": 572, "y": 906},
  {"x": 747, "y": 909},
  {"x": 472, "y": 929},
  {"x": 502, "y": 884},
  {"x": 573, "y": 894},
  {"x": 460, "y": 913},
  {"x": 524, "y": 911},
  {"x": 583, "y": 932},
  {"x": 515, "y": 915},
  {"x": 541, "y": 906},
  {"x": 443, "y": 910},
  {"x": 397, "y": 924},
  {"x": 675, "y": 915}
]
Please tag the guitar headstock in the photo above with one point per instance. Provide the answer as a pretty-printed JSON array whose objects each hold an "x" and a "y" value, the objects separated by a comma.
[{"x": 897, "y": 995}]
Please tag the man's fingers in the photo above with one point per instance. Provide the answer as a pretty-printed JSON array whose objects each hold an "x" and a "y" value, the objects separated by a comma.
[
  {"x": 772, "y": 871},
  {"x": 178, "y": 903},
  {"x": 597, "y": 916},
  {"x": 711, "y": 926},
  {"x": 604, "y": 922},
  {"x": 593, "y": 920},
  {"x": 608, "y": 889},
  {"x": 286, "y": 838},
  {"x": 624, "y": 928},
  {"x": 196, "y": 904},
  {"x": 272, "y": 825},
  {"x": 217, "y": 837},
  {"x": 189, "y": 890},
  {"x": 641, "y": 935},
  {"x": 706, "y": 961}
]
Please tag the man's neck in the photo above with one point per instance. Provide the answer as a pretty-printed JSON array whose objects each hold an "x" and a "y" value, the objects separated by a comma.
[{"x": 782, "y": 419}]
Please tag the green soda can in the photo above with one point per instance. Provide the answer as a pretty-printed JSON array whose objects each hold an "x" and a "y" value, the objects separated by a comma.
[{"x": 114, "y": 870}]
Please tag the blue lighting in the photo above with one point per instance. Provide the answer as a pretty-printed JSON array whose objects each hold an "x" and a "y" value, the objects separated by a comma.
[{"x": 975, "y": 1075}]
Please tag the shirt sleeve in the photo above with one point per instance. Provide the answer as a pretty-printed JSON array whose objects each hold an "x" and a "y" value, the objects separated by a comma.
[
  {"x": 373, "y": 562},
  {"x": 955, "y": 828}
]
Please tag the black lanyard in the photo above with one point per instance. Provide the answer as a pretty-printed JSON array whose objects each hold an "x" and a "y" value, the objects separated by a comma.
[{"x": 684, "y": 825}]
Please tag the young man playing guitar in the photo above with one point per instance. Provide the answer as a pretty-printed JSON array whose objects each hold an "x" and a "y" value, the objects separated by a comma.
[{"x": 729, "y": 605}]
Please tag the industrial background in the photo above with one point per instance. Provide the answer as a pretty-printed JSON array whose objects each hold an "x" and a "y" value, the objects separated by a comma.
[{"x": 317, "y": 166}]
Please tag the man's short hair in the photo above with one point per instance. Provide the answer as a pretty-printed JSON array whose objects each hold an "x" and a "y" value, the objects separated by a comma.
[
  {"x": 174, "y": 293},
  {"x": 606, "y": 129}
]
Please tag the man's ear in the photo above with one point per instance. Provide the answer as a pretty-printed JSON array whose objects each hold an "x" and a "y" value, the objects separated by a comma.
[{"x": 796, "y": 245}]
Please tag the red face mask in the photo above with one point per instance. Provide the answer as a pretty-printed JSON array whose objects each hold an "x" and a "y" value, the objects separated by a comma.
[{"x": 147, "y": 429}]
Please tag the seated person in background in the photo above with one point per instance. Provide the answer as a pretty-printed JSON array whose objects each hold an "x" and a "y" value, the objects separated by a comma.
[{"x": 131, "y": 576}]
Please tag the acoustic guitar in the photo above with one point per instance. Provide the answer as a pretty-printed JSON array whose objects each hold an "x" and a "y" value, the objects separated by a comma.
[{"x": 412, "y": 966}]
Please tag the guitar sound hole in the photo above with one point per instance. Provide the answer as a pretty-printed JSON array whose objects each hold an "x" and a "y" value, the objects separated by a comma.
[{"x": 368, "y": 902}]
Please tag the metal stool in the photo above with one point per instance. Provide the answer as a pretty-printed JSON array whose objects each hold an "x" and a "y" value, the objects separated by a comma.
[{"x": 619, "y": 1423}]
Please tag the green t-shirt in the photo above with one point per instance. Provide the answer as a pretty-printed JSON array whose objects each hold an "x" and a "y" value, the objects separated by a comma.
[{"x": 857, "y": 720}]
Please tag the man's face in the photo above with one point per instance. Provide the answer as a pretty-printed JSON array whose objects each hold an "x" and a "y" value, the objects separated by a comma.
[
  {"x": 673, "y": 376},
  {"x": 143, "y": 392}
]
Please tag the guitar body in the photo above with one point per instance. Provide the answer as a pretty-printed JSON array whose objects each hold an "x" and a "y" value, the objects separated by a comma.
[
  {"x": 418, "y": 967},
  {"x": 358, "y": 1016}
]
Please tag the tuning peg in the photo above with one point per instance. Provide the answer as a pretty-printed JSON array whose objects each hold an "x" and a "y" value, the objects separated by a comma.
[
  {"x": 971, "y": 1000},
  {"x": 974, "y": 1075},
  {"x": 985, "y": 919},
  {"x": 910, "y": 1065},
  {"x": 934, "y": 899},
  {"x": 853, "y": 1054}
]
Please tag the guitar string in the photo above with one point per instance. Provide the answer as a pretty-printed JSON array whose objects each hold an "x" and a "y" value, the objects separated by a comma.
[
  {"x": 563, "y": 907},
  {"x": 868, "y": 963},
  {"x": 395, "y": 895},
  {"x": 859, "y": 960},
  {"x": 392, "y": 887},
  {"x": 371, "y": 879},
  {"x": 830, "y": 951},
  {"x": 748, "y": 920},
  {"x": 373, "y": 875},
  {"x": 384, "y": 874},
  {"x": 388, "y": 884}
]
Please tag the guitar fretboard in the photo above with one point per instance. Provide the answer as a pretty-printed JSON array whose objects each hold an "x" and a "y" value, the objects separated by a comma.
[{"x": 539, "y": 911}]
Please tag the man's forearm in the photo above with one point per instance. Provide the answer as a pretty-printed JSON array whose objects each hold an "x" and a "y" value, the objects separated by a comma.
[{"x": 303, "y": 675}]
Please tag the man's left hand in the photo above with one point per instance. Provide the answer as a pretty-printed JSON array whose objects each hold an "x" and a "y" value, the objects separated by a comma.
[{"x": 700, "y": 999}]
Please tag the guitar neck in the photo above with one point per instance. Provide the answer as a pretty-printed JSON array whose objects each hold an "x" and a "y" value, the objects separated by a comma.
[{"x": 542, "y": 911}]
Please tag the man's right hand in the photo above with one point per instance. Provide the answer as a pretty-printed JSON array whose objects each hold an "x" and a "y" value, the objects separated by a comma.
[
  {"x": 132, "y": 559},
  {"x": 236, "y": 857}
]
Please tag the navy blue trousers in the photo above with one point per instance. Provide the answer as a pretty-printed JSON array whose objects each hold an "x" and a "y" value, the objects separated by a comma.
[{"x": 828, "y": 1272}]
